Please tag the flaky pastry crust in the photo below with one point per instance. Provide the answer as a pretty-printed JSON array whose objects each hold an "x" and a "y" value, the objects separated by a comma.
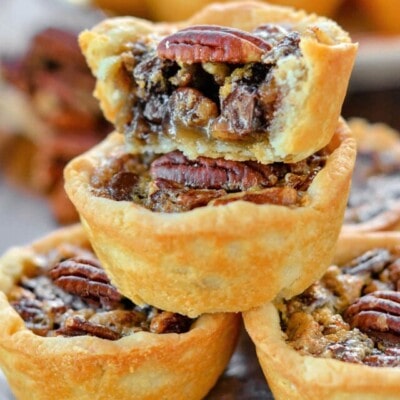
[
  {"x": 291, "y": 375},
  {"x": 206, "y": 259},
  {"x": 311, "y": 87},
  {"x": 380, "y": 138},
  {"x": 141, "y": 366}
]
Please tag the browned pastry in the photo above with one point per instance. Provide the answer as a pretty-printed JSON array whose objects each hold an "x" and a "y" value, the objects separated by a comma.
[
  {"x": 340, "y": 338},
  {"x": 374, "y": 201},
  {"x": 67, "y": 333},
  {"x": 226, "y": 230},
  {"x": 241, "y": 80},
  {"x": 48, "y": 101}
]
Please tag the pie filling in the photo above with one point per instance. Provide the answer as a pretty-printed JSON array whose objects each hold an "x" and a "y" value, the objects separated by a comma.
[
  {"x": 375, "y": 186},
  {"x": 352, "y": 314},
  {"x": 173, "y": 183},
  {"x": 197, "y": 95},
  {"x": 67, "y": 293}
]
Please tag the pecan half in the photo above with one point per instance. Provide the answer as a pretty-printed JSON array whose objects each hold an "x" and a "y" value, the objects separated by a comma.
[
  {"x": 84, "y": 277},
  {"x": 211, "y": 43},
  {"x": 376, "y": 312},
  {"x": 208, "y": 173},
  {"x": 78, "y": 326}
]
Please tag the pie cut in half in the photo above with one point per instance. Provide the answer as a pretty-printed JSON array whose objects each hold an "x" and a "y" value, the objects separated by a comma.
[
  {"x": 340, "y": 338},
  {"x": 240, "y": 80},
  {"x": 192, "y": 236},
  {"x": 374, "y": 200},
  {"x": 67, "y": 333}
]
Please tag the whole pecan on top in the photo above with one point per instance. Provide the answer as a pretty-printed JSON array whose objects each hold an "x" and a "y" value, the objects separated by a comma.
[
  {"x": 85, "y": 278},
  {"x": 212, "y": 43},
  {"x": 376, "y": 312},
  {"x": 209, "y": 173}
]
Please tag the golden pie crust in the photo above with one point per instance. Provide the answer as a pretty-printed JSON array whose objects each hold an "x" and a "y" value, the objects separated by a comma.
[
  {"x": 291, "y": 375},
  {"x": 141, "y": 366},
  {"x": 312, "y": 87},
  {"x": 377, "y": 137},
  {"x": 215, "y": 258}
]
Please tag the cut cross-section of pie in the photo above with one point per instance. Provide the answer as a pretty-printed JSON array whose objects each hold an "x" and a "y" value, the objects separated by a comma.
[{"x": 243, "y": 81}]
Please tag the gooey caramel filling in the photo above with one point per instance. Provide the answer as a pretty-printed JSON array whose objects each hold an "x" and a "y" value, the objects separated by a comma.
[
  {"x": 352, "y": 314},
  {"x": 213, "y": 100},
  {"x": 67, "y": 293}
]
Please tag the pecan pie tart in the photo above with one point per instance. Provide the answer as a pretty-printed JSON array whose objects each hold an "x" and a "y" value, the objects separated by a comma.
[
  {"x": 67, "y": 333},
  {"x": 240, "y": 80},
  {"x": 374, "y": 200},
  {"x": 340, "y": 338},
  {"x": 192, "y": 236}
]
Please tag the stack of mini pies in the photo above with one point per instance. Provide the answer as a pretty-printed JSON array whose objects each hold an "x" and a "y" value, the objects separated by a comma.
[{"x": 223, "y": 187}]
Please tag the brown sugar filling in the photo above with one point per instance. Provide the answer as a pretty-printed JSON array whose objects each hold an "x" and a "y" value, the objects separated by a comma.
[
  {"x": 375, "y": 186},
  {"x": 173, "y": 183},
  {"x": 207, "y": 94},
  {"x": 352, "y": 314},
  {"x": 67, "y": 293}
]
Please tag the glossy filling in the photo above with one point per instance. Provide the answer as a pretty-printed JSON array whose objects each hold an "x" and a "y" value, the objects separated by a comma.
[
  {"x": 375, "y": 186},
  {"x": 352, "y": 314},
  {"x": 204, "y": 97},
  {"x": 173, "y": 183},
  {"x": 67, "y": 293}
]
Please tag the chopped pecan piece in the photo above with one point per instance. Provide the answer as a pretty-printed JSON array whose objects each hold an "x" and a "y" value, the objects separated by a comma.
[
  {"x": 210, "y": 43},
  {"x": 284, "y": 196},
  {"x": 211, "y": 173},
  {"x": 376, "y": 312},
  {"x": 84, "y": 277},
  {"x": 168, "y": 322}
]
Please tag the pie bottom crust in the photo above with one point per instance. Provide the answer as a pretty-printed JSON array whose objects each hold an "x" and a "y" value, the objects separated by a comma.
[
  {"x": 216, "y": 258},
  {"x": 291, "y": 375},
  {"x": 140, "y": 366}
]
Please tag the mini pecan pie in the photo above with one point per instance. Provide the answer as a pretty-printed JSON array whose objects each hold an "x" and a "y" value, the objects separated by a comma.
[
  {"x": 340, "y": 338},
  {"x": 48, "y": 105},
  {"x": 243, "y": 81},
  {"x": 67, "y": 333},
  {"x": 202, "y": 232},
  {"x": 374, "y": 201}
]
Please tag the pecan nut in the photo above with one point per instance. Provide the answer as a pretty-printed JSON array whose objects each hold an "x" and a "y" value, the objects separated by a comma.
[
  {"x": 376, "y": 312},
  {"x": 209, "y": 43},
  {"x": 85, "y": 278},
  {"x": 208, "y": 173}
]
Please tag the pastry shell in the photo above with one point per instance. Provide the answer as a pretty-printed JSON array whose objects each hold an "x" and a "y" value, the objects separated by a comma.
[
  {"x": 312, "y": 87},
  {"x": 141, "y": 366},
  {"x": 226, "y": 258},
  {"x": 377, "y": 137},
  {"x": 291, "y": 375}
]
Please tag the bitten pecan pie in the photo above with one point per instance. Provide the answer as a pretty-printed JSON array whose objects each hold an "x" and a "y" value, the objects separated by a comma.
[
  {"x": 67, "y": 333},
  {"x": 267, "y": 86},
  {"x": 343, "y": 330}
]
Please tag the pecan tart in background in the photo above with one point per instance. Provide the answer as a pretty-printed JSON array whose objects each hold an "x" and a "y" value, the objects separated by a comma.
[
  {"x": 340, "y": 338},
  {"x": 374, "y": 200},
  {"x": 241, "y": 80},
  {"x": 67, "y": 333},
  {"x": 211, "y": 235},
  {"x": 49, "y": 113}
]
